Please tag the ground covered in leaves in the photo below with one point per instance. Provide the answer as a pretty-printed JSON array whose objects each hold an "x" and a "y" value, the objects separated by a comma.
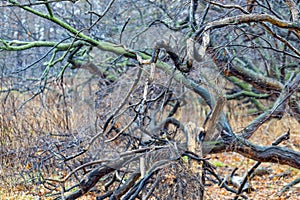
[
  {"x": 274, "y": 177},
  {"x": 266, "y": 185}
]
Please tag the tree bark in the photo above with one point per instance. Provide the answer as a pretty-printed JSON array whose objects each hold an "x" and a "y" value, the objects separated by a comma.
[{"x": 273, "y": 154}]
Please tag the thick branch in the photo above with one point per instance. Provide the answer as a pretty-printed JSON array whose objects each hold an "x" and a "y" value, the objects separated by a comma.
[
  {"x": 21, "y": 45},
  {"x": 240, "y": 70},
  {"x": 93, "y": 177},
  {"x": 273, "y": 154},
  {"x": 212, "y": 121},
  {"x": 241, "y": 19},
  {"x": 258, "y": 80},
  {"x": 124, "y": 188},
  {"x": 91, "y": 180}
]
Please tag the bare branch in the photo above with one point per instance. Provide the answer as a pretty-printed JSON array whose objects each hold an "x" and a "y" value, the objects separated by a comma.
[
  {"x": 241, "y": 19},
  {"x": 276, "y": 110},
  {"x": 293, "y": 8}
]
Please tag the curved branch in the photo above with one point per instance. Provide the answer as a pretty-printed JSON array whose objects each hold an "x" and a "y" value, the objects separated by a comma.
[
  {"x": 277, "y": 109},
  {"x": 17, "y": 45},
  {"x": 117, "y": 194},
  {"x": 257, "y": 80},
  {"x": 91, "y": 180},
  {"x": 93, "y": 177},
  {"x": 273, "y": 154},
  {"x": 241, "y": 19},
  {"x": 230, "y": 6},
  {"x": 293, "y": 8}
]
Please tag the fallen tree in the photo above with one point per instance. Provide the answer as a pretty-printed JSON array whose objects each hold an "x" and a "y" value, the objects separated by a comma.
[{"x": 138, "y": 117}]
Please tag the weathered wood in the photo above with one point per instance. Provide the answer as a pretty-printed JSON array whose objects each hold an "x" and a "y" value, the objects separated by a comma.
[
  {"x": 276, "y": 111},
  {"x": 126, "y": 187},
  {"x": 273, "y": 154},
  {"x": 93, "y": 177}
]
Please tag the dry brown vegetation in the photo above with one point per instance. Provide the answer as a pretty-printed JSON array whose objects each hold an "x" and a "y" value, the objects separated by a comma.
[
  {"x": 26, "y": 135},
  {"x": 180, "y": 96},
  {"x": 28, "y": 132}
]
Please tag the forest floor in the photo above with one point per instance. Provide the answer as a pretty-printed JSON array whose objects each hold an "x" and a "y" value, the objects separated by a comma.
[
  {"x": 265, "y": 186},
  {"x": 275, "y": 176}
]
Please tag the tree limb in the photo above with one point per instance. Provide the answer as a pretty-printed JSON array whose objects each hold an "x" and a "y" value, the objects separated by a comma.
[
  {"x": 241, "y": 19},
  {"x": 273, "y": 154},
  {"x": 277, "y": 108}
]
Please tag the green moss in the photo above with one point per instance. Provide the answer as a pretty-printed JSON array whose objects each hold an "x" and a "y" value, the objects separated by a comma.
[
  {"x": 185, "y": 159},
  {"x": 217, "y": 163}
]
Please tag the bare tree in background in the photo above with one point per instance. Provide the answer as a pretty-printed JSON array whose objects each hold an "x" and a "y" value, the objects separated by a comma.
[{"x": 156, "y": 63}]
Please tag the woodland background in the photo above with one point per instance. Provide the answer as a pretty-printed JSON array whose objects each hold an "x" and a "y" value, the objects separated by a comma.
[{"x": 149, "y": 99}]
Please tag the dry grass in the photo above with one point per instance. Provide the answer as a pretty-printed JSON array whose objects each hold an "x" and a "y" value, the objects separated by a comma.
[
  {"x": 51, "y": 113},
  {"x": 25, "y": 131}
]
